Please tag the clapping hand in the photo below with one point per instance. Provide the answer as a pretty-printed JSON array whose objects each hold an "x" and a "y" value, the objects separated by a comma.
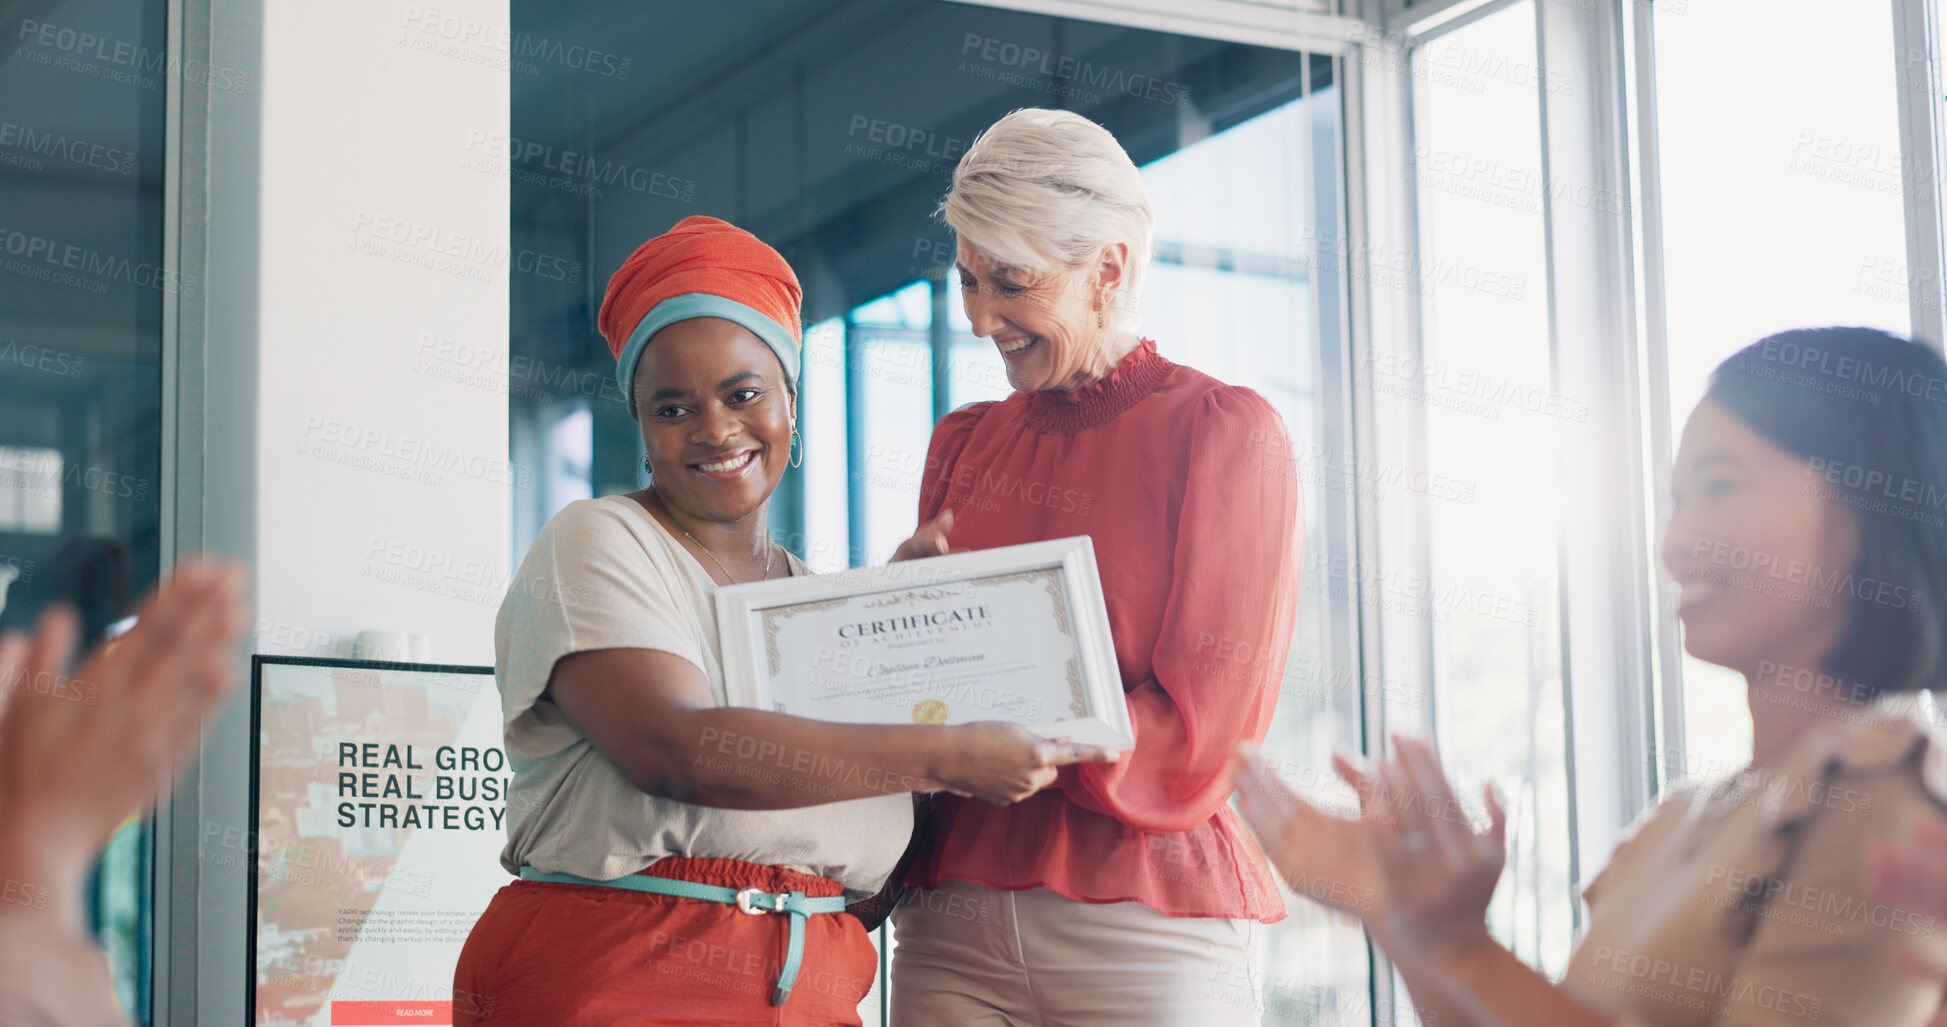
[
  {"x": 1411, "y": 865},
  {"x": 81, "y": 751},
  {"x": 1320, "y": 855},
  {"x": 1439, "y": 871}
]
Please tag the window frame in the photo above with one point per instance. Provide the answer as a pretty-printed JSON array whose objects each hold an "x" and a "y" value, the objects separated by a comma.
[
  {"x": 1612, "y": 662},
  {"x": 1917, "y": 73},
  {"x": 209, "y": 485}
]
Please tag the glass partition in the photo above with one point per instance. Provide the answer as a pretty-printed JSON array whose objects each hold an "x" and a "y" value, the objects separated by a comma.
[
  {"x": 1787, "y": 216},
  {"x": 1492, "y": 606},
  {"x": 831, "y": 131},
  {"x": 83, "y": 279}
]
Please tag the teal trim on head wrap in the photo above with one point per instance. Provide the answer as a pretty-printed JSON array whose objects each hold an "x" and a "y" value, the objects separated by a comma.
[{"x": 704, "y": 304}]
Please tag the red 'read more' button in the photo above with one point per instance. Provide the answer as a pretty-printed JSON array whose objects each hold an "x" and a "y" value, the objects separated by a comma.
[{"x": 386, "y": 1014}]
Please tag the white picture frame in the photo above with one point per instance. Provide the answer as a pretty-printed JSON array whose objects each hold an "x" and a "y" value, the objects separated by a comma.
[{"x": 1059, "y": 679}]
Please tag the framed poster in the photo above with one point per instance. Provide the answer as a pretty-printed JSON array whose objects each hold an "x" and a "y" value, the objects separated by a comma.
[{"x": 378, "y": 809}]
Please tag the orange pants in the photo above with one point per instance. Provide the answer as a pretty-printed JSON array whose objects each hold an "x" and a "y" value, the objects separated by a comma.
[{"x": 569, "y": 954}]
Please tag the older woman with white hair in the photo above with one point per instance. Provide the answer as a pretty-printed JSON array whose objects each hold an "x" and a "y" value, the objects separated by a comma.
[{"x": 1129, "y": 893}]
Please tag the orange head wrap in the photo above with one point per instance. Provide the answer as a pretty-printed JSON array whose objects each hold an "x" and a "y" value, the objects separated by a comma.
[{"x": 701, "y": 268}]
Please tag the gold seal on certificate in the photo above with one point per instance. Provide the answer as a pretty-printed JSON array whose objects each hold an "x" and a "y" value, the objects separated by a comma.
[{"x": 1018, "y": 633}]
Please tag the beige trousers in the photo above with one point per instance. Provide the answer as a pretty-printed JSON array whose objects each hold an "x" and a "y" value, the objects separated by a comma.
[{"x": 971, "y": 956}]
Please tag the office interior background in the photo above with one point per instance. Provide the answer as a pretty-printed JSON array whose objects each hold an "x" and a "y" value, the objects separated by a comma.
[{"x": 316, "y": 284}]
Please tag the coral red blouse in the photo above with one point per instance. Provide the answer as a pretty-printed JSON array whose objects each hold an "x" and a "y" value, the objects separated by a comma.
[{"x": 1188, "y": 489}]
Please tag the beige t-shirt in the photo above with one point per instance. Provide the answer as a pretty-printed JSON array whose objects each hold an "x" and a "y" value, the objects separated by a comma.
[
  {"x": 604, "y": 574},
  {"x": 1746, "y": 904}
]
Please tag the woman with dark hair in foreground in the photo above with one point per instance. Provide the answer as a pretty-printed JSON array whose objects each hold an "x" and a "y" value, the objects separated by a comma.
[{"x": 1808, "y": 540}]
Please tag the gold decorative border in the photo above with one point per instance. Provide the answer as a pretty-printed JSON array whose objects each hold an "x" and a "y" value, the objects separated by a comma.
[
  {"x": 775, "y": 615},
  {"x": 910, "y": 595},
  {"x": 1059, "y": 597},
  {"x": 1078, "y": 699},
  {"x": 1050, "y": 578}
]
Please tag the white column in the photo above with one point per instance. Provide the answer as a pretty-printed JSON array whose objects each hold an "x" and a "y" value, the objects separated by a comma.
[
  {"x": 337, "y": 407},
  {"x": 382, "y": 432}
]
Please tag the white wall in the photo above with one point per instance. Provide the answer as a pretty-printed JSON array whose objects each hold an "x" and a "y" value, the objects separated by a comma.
[
  {"x": 382, "y": 451},
  {"x": 339, "y": 399}
]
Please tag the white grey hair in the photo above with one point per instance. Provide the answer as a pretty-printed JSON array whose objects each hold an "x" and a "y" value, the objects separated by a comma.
[{"x": 1045, "y": 187}]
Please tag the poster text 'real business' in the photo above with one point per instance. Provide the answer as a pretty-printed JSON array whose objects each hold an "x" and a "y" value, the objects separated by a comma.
[{"x": 377, "y": 787}]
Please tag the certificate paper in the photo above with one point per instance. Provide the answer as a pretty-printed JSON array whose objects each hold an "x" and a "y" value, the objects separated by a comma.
[{"x": 1018, "y": 634}]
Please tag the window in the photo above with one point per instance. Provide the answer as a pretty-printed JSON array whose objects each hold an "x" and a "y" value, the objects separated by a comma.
[
  {"x": 1810, "y": 234},
  {"x": 82, "y": 286},
  {"x": 30, "y": 491},
  {"x": 890, "y": 371},
  {"x": 1234, "y": 292},
  {"x": 1490, "y": 600},
  {"x": 836, "y": 147},
  {"x": 825, "y": 472}
]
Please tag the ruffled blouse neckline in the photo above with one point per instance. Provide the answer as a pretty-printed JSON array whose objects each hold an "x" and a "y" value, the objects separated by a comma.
[{"x": 1140, "y": 373}]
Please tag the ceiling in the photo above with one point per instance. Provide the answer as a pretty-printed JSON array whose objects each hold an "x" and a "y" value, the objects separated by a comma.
[{"x": 782, "y": 115}]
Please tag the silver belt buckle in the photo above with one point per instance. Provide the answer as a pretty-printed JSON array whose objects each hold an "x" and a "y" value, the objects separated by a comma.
[{"x": 749, "y": 895}]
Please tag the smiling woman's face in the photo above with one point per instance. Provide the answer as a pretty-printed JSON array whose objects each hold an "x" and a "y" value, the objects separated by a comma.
[
  {"x": 1043, "y": 323},
  {"x": 716, "y": 418},
  {"x": 1749, "y": 542}
]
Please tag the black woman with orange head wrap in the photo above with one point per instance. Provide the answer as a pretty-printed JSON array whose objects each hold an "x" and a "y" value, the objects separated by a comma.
[{"x": 647, "y": 816}]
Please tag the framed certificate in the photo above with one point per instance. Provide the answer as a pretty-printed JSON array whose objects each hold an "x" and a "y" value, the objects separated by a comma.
[{"x": 1018, "y": 633}]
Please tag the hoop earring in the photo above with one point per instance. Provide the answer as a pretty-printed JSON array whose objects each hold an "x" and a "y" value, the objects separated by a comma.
[{"x": 797, "y": 452}]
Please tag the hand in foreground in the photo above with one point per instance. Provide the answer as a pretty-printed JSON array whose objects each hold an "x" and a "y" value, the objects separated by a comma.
[
  {"x": 1910, "y": 873},
  {"x": 1323, "y": 856},
  {"x": 1004, "y": 763},
  {"x": 928, "y": 539},
  {"x": 1439, "y": 872},
  {"x": 81, "y": 752}
]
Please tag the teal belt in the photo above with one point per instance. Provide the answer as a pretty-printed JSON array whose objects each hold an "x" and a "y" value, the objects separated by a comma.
[{"x": 750, "y": 900}]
